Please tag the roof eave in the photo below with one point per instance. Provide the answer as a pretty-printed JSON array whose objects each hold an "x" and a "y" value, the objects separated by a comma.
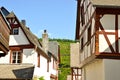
[
  {"x": 5, "y": 19},
  {"x": 106, "y": 6}
]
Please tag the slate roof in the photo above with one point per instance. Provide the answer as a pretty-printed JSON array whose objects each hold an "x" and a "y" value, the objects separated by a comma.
[
  {"x": 106, "y": 3},
  {"x": 16, "y": 71},
  {"x": 53, "y": 48}
]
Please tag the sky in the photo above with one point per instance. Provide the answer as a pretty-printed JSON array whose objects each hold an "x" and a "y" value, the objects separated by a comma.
[{"x": 58, "y": 17}]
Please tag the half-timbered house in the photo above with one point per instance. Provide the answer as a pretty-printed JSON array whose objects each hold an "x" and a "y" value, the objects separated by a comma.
[{"x": 98, "y": 31}]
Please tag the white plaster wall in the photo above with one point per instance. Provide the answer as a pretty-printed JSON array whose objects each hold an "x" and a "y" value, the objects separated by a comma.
[
  {"x": 42, "y": 70},
  {"x": 102, "y": 69},
  {"x": 112, "y": 69},
  {"x": 93, "y": 71},
  {"x": 103, "y": 45},
  {"x": 82, "y": 55},
  {"x": 51, "y": 70},
  {"x": 74, "y": 54},
  {"x": 19, "y": 39},
  {"x": 108, "y": 22},
  {"x": 6, "y": 59},
  {"x": 29, "y": 56}
]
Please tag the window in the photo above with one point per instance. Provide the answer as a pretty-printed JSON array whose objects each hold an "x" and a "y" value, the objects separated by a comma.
[
  {"x": 82, "y": 44},
  {"x": 47, "y": 65},
  {"x": 54, "y": 64},
  {"x": 16, "y": 57},
  {"x": 82, "y": 15},
  {"x": 89, "y": 34},
  {"x": 15, "y": 31},
  {"x": 38, "y": 60}
]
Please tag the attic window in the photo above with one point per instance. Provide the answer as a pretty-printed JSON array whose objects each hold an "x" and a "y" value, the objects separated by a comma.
[{"x": 15, "y": 31}]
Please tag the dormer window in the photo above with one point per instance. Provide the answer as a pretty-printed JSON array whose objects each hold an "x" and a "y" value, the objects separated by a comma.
[{"x": 15, "y": 31}]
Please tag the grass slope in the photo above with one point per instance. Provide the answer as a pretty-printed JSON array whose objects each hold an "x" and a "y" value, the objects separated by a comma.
[{"x": 65, "y": 58}]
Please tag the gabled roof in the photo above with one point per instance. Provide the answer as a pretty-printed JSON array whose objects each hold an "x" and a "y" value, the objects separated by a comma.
[
  {"x": 31, "y": 37},
  {"x": 106, "y": 3}
]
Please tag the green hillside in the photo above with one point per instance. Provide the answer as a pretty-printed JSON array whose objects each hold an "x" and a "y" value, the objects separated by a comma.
[{"x": 65, "y": 57}]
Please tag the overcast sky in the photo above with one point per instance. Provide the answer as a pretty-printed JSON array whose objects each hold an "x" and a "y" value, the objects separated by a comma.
[{"x": 58, "y": 17}]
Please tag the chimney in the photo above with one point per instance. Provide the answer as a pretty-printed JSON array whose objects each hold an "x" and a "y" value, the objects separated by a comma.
[
  {"x": 23, "y": 22},
  {"x": 45, "y": 41}
]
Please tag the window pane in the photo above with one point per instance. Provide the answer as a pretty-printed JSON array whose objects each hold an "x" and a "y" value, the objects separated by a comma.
[
  {"x": 19, "y": 61},
  {"x": 19, "y": 57},
  {"x": 14, "y": 53},
  {"x": 14, "y": 61},
  {"x": 15, "y": 31},
  {"x": 14, "y": 57}
]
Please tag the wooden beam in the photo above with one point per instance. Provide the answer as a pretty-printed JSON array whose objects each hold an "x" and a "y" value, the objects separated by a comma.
[
  {"x": 106, "y": 37},
  {"x": 97, "y": 34},
  {"x": 108, "y": 11},
  {"x": 116, "y": 34}
]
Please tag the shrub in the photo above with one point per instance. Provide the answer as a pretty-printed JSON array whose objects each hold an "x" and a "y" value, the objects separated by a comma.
[{"x": 41, "y": 78}]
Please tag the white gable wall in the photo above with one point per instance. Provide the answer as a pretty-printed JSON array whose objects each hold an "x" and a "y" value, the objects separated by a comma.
[{"x": 19, "y": 39}]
